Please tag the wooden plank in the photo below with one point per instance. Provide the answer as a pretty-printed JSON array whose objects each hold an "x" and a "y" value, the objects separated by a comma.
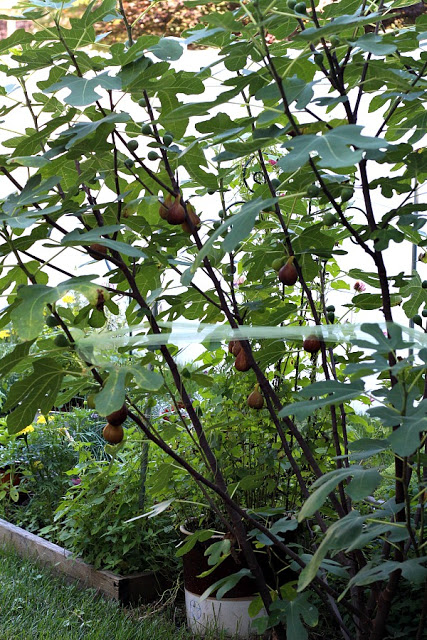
[{"x": 126, "y": 589}]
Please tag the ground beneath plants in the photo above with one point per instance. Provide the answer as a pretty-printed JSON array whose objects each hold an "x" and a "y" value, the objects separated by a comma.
[{"x": 35, "y": 604}]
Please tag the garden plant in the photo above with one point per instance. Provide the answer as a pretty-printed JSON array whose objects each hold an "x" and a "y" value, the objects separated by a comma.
[{"x": 121, "y": 173}]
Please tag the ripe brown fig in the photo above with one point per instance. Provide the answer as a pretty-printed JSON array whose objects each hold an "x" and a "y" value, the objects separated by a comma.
[
  {"x": 255, "y": 399},
  {"x": 118, "y": 417},
  {"x": 99, "y": 249},
  {"x": 237, "y": 347},
  {"x": 112, "y": 434},
  {"x": 311, "y": 344},
  {"x": 288, "y": 274},
  {"x": 242, "y": 361},
  {"x": 192, "y": 217},
  {"x": 231, "y": 345},
  {"x": 164, "y": 207},
  {"x": 176, "y": 212}
]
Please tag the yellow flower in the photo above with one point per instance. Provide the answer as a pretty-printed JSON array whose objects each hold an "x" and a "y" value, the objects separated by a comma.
[
  {"x": 41, "y": 420},
  {"x": 68, "y": 299},
  {"x": 4, "y": 334},
  {"x": 28, "y": 429}
]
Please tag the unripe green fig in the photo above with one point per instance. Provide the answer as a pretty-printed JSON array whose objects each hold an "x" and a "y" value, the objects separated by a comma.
[
  {"x": 275, "y": 183},
  {"x": 424, "y": 284},
  {"x": 291, "y": 4},
  {"x": 146, "y": 129},
  {"x": 424, "y": 313},
  {"x": 61, "y": 341},
  {"x": 330, "y": 307},
  {"x": 331, "y": 316},
  {"x": 167, "y": 139},
  {"x": 142, "y": 102},
  {"x": 300, "y": 7},
  {"x": 329, "y": 219},
  {"x": 313, "y": 191},
  {"x": 129, "y": 163},
  {"x": 318, "y": 58},
  {"x": 346, "y": 194},
  {"x": 52, "y": 321},
  {"x": 153, "y": 155},
  {"x": 132, "y": 145},
  {"x": 278, "y": 263},
  {"x": 417, "y": 320}
]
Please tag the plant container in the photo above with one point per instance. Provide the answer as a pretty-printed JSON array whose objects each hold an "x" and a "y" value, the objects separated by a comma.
[{"x": 228, "y": 614}]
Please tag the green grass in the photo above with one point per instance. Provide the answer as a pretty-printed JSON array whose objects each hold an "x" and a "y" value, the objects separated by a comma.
[{"x": 35, "y": 604}]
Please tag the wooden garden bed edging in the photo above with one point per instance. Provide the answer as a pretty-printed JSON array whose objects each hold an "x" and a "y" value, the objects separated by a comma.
[{"x": 138, "y": 587}]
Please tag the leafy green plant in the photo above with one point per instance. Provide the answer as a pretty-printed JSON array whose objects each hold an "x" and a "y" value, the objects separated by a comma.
[
  {"x": 92, "y": 520},
  {"x": 128, "y": 164}
]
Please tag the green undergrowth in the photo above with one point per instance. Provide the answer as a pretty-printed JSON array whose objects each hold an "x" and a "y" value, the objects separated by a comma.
[{"x": 35, "y": 604}]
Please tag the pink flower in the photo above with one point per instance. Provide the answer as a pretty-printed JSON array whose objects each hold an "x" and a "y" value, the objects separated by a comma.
[
  {"x": 272, "y": 162},
  {"x": 359, "y": 286},
  {"x": 239, "y": 281},
  {"x": 76, "y": 481}
]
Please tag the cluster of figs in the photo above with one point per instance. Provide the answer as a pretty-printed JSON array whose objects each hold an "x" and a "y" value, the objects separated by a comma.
[
  {"x": 255, "y": 399},
  {"x": 242, "y": 362},
  {"x": 287, "y": 272},
  {"x": 113, "y": 430},
  {"x": 173, "y": 212}
]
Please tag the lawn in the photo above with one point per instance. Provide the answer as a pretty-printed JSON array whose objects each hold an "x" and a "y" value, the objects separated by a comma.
[{"x": 36, "y": 604}]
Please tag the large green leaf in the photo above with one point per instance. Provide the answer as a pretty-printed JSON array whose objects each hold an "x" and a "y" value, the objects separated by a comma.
[
  {"x": 405, "y": 440},
  {"x": 82, "y": 90},
  {"x": 413, "y": 570},
  {"x": 145, "y": 378},
  {"x": 327, "y": 483},
  {"x": 112, "y": 395},
  {"x": 241, "y": 225},
  {"x": 167, "y": 49},
  {"x": 75, "y": 238},
  {"x": 28, "y": 318},
  {"x": 333, "y": 148},
  {"x": 338, "y": 392},
  {"x": 35, "y": 190},
  {"x": 417, "y": 296},
  {"x": 336, "y": 26},
  {"x": 339, "y": 535},
  {"x": 373, "y": 43},
  {"x": 15, "y": 357},
  {"x": 363, "y": 484},
  {"x": 82, "y": 130},
  {"x": 36, "y": 391}
]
